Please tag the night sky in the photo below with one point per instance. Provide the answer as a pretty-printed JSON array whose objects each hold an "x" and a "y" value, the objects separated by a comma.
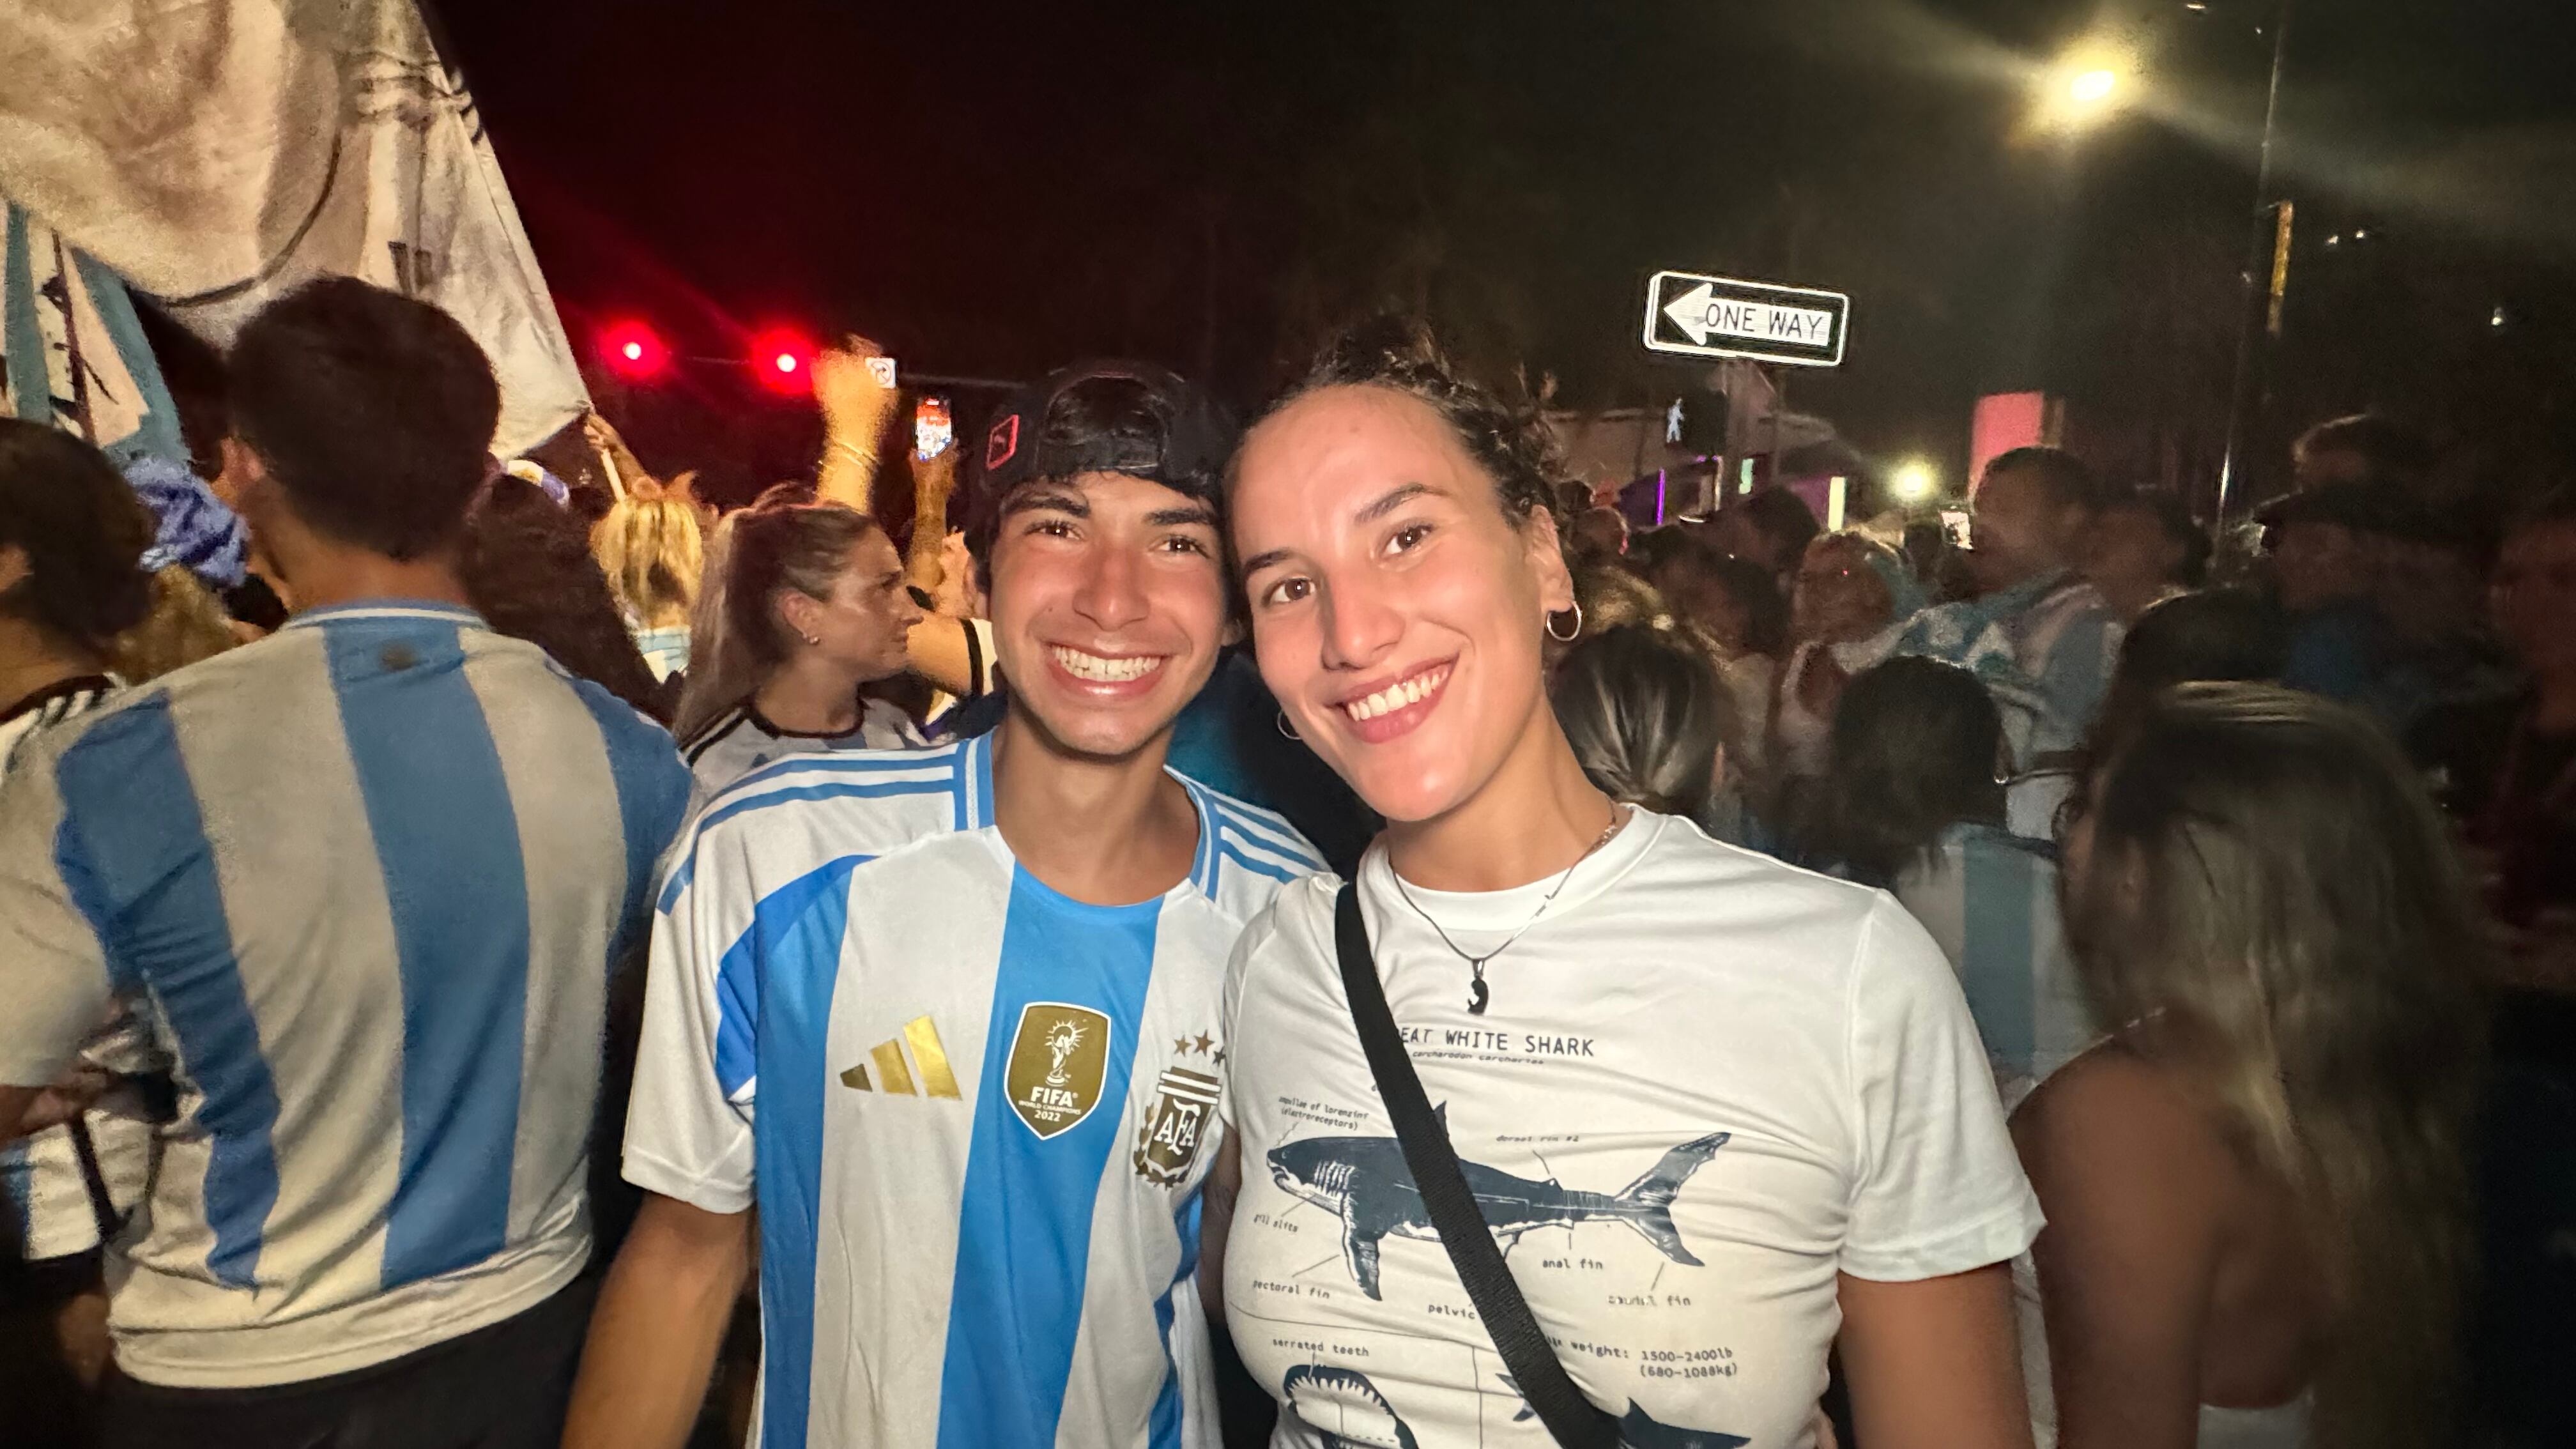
[{"x": 995, "y": 189}]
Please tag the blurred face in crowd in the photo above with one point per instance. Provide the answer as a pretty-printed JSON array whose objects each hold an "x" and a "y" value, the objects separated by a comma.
[
  {"x": 2315, "y": 564},
  {"x": 1397, "y": 609},
  {"x": 1108, "y": 607},
  {"x": 2533, "y": 596},
  {"x": 1839, "y": 597},
  {"x": 2131, "y": 555},
  {"x": 2020, "y": 529},
  {"x": 864, "y": 621}
]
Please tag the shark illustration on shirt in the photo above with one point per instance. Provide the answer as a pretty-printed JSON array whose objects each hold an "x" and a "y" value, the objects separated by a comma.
[{"x": 1366, "y": 1182}]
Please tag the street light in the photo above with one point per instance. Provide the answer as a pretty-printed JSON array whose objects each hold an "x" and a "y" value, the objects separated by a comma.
[{"x": 2085, "y": 86}]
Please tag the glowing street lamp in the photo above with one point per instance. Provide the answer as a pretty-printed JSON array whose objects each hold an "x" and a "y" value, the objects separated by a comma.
[
  {"x": 2085, "y": 88},
  {"x": 2092, "y": 87},
  {"x": 1913, "y": 481}
]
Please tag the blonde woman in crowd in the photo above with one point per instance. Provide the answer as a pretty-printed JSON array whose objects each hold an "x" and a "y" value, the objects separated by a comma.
[
  {"x": 2257, "y": 1188},
  {"x": 652, "y": 553}
]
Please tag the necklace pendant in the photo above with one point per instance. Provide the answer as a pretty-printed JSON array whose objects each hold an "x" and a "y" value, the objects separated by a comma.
[{"x": 1477, "y": 997}]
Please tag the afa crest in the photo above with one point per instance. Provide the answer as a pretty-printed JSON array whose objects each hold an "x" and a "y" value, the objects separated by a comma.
[{"x": 1167, "y": 1142}]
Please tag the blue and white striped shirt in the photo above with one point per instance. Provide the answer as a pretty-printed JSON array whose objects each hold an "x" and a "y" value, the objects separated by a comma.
[
  {"x": 975, "y": 1115},
  {"x": 368, "y": 876},
  {"x": 1990, "y": 899}
]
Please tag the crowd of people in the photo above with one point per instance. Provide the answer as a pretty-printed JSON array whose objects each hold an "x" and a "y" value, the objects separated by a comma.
[{"x": 1309, "y": 931}]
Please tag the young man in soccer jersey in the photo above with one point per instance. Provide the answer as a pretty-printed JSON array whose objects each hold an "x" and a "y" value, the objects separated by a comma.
[
  {"x": 367, "y": 877},
  {"x": 949, "y": 1018}
]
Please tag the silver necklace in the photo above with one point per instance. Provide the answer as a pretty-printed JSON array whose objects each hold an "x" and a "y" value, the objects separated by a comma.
[{"x": 1479, "y": 995}]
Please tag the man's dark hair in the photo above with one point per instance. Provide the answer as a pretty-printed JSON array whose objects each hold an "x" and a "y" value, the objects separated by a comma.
[
  {"x": 2390, "y": 451},
  {"x": 372, "y": 411},
  {"x": 1915, "y": 745},
  {"x": 2069, "y": 482},
  {"x": 528, "y": 570},
  {"x": 83, "y": 531},
  {"x": 1785, "y": 522}
]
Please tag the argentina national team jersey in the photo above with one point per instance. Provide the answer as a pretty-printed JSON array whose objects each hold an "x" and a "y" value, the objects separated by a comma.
[
  {"x": 366, "y": 877},
  {"x": 974, "y": 1114}
]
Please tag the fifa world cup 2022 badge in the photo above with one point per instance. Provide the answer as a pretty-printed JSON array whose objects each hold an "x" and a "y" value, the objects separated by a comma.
[{"x": 1059, "y": 1058}]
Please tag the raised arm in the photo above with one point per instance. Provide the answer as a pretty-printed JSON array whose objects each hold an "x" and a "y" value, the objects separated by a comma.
[
  {"x": 855, "y": 408},
  {"x": 933, "y": 480}
]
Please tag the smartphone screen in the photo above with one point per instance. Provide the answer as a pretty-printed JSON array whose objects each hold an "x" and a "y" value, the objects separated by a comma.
[
  {"x": 1954, "y": 522},
  {"x": 933, "y": 429}
]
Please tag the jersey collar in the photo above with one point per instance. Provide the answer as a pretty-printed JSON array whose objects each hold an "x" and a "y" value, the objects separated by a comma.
[{"x": 389, "y": 609}]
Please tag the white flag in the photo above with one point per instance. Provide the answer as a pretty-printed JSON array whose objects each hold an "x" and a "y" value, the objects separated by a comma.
[{"x": 218, "y": 152}]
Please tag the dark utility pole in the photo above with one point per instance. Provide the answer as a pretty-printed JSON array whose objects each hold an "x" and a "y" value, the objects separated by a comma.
[{"x": 2267, "y": 275}]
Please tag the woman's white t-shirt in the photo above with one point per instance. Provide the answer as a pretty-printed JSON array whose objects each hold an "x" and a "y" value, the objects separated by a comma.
[{"x": 1783, "y": 1058}]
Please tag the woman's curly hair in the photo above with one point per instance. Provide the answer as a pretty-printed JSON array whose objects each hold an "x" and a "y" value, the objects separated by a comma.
[{"x": 1505, "y": 436}]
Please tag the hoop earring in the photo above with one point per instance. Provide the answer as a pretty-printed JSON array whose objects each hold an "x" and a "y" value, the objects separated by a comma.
[
  {"x": 1570, "y": 635},
  {"x": 1287, "y": 730}
]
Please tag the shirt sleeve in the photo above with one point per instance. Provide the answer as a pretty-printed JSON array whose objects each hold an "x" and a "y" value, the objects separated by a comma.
[
  {"x": 53, "y": 964},
  {"x": 688, "y": 1125},
  {"x": 1938, "y": 1188},
  {"x": 1231, "y": 1003}
]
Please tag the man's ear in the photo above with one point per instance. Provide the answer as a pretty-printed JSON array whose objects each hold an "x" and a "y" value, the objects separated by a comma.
[
  {"x": 241, "y": 469},
  {"x": 1547, "y": 561}
]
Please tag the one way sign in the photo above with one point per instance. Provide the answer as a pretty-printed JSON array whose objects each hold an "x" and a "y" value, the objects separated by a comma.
[{"x": 1700, "y": 316}]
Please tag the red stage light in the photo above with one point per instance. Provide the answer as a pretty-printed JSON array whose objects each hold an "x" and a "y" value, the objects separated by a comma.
[
  {"x": 780, "y": 358},
  {"x": 633, "y": 350}
]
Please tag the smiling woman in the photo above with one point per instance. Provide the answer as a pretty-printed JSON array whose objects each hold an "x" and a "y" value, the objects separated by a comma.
[{"x": 1591, "y": 991}]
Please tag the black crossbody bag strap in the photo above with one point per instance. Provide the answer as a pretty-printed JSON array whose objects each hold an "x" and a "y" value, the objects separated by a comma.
[{"x": 1574, "y": 1421}]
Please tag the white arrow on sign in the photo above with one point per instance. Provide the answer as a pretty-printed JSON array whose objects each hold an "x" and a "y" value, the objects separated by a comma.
[{"x": 1699, "y": 313}]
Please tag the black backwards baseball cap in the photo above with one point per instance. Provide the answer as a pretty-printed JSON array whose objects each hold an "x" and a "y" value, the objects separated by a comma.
[{"x": 1100, "y": 417}]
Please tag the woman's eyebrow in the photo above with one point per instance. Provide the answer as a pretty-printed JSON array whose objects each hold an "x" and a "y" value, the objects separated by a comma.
[{"x": 1394, "y": 499}]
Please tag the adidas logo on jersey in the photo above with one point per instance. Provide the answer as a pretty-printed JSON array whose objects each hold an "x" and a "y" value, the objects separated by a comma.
[{"x": 894, "y": 1074}]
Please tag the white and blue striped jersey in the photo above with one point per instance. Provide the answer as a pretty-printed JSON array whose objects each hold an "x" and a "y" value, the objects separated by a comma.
[
  {"x": 367, "y": 876},
  {"x": 974, "y": 1114},
  {"x": 1989, "y": 898}
]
